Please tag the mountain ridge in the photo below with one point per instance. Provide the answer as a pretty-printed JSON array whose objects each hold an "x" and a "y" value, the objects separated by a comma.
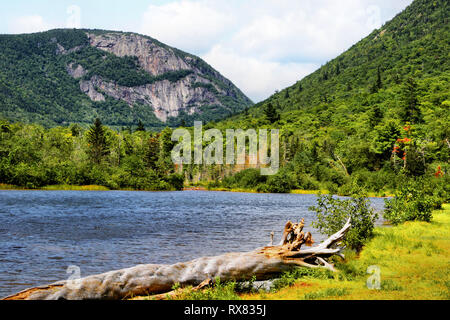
[
  {"x": 160, "y": 85},
  {"x": 375, "y": 114}
]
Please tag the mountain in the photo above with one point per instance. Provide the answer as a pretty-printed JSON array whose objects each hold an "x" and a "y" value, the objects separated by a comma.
[
  {"x": 377, "y": 112},
  {"x": 64, "y": 76}
]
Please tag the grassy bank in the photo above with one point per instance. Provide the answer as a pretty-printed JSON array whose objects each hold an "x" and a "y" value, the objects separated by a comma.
[
  {"x": 75, "y": 188},
  {"x": 189, "y": 187},
  {"x": 414, "y": 260},
  {"x": 57, "y": 188},
  {"x": 204, "y": 187}
]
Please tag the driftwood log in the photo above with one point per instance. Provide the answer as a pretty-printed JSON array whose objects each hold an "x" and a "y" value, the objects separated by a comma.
[{"x": 263, "y": 263}]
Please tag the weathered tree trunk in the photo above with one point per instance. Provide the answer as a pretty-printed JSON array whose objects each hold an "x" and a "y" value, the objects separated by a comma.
[{"x": 264, "y": 263}]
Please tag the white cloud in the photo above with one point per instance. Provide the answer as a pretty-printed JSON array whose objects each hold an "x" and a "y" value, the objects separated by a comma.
[
  {"x": 190, "y": 25},
  {"x": 29, "y": 24},
  {"x": 264, "y": 45},
  {"x": 255, "y": 77}
]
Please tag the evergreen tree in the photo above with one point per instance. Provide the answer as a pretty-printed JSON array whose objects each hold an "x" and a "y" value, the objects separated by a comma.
[
  {"x": 378, "y": 84},
  {"x": 165, "y": 165},
  {"x": 379, "y": 81},
  {"x": 76, "y": 130},
  {"x": 140, "y": 127},
  {"x": 411, "y": 111},
  {"x": 98, "y": 144},
  {"x": 286, "y": 94},
  {"x": 152, "y": 153},
  {"x": 271, "y": 113},
  {"x": 375, "y": 116}
]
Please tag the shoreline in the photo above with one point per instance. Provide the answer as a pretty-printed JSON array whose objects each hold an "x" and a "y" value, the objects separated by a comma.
[
  {"x": 395, "y": 251},
  {"x": 6, "y": 187}
]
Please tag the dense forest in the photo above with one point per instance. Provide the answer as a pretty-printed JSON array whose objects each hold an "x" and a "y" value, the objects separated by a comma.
[
  {"x": 33, "y": 157},
  {"x": 374, "y": 118},
  {"x": 36, "y": 87}
]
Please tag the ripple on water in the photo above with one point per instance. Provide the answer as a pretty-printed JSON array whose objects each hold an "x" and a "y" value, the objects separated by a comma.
[{"x": 44, "y": 232}]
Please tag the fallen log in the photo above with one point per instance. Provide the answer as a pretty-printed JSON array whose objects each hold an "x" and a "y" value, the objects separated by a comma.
[{"x": 152, "y": 279}]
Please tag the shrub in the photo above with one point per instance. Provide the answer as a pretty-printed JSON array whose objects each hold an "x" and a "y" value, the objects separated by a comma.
[
  {"x": 289, "y": 278},
  {"x": 176, "y": 180},
  {"x": 411, "y": 203},
  {"x": 249, "y": 178},
  {"x": 220, "y": 291},
  {"x": 332, "y": 213},
  {"x": 281, "y": 182}
]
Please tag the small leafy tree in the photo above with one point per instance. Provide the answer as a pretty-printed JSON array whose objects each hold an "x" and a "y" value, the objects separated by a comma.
[
  {"x": 332, "y": 214},
  {"x": 410, "y": 203}
]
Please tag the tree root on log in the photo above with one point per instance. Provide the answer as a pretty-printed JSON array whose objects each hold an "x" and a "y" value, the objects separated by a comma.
[{"x": 264, "y": 263}]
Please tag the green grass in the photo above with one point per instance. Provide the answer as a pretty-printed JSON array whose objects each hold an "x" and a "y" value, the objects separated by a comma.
[
  {"x": 9, "y": 187},
  {"x": 220, "y": 291},
  {"x": 76, "y": 188},
  {"x": 57, "y": 188},
  {"x": 414, "y": 260}
]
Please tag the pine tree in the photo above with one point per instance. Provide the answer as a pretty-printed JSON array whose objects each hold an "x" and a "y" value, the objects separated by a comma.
[
  {"x": 271, "y": 113},
  {"x": 411, "y": 111},
  {"x": 378, "y": 84},
  {"x": 152, "y": 153},
  {"x": 140, "y": 127},
  {"x": 75, "y": 130},
  {"x": 375, "y": 115},
  {"x": 379, "y": 81},
  {"x": 97, "y": 142},
  {"x": 286, "y": 94}
]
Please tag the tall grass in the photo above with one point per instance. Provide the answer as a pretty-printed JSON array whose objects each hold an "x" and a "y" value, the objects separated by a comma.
[{"x": 413, "y": 259}]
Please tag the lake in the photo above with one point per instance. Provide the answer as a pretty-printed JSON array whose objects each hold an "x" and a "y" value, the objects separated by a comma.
[{"x": 44, "y": 232}]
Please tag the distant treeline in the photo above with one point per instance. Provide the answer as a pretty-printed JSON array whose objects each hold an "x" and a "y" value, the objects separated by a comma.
[{"x": 33, "y": 157}]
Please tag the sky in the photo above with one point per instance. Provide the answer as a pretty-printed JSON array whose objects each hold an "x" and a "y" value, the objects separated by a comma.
[{"x": 260, "y": 45}]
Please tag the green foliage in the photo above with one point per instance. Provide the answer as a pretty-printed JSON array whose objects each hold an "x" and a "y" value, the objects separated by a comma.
[
  {"x": 35, "y": 85},
  {"x": 411, "y": 203},
  {"x": 219, "y": 291},
  {"x": 390, "y": 285},
  {"x": 34, "y": 157},
  {"x": 411, "y": 111},
  {"x": 289, "y": 278},
  {"x": 249, "y": 178},
  {"x": 140, "y": 126},
  {"x": 326, "y": 293},
  {"x": 282, "y": 182},
  {"x": 339, "y": 125},
  {"x": 332, "y": 213},
  {"x": 271, "y": 113},
  {"x": 98, "y": 145}
]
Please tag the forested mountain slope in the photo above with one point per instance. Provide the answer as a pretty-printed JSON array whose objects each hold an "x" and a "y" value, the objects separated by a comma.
[
  {"x": 378, "y": 111},
  {"x": 65, "y": 76}
]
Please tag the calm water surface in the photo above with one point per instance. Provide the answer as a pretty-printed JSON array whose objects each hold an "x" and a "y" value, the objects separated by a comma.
[{"x": 43, "y": 232}]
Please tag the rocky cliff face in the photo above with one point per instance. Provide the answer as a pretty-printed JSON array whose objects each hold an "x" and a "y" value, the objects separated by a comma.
[
  {"x": 202, "y": 87},
  {"x": 65, "y": 76}
]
